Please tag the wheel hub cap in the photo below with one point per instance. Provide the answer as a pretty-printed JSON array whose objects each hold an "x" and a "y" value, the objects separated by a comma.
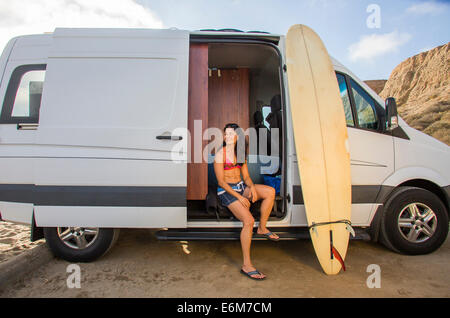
[
  {"x": 78, "y": 237},
  {"x": 417, "y": 222}
]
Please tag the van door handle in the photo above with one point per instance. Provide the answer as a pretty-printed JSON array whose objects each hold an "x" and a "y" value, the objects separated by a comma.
[
  {"x": 24, "y": 126},
  {"x": 168, "y": 137}
]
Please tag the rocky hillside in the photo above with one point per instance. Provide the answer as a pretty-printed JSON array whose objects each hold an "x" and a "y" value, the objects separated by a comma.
[
  {"x": 376, "y": 85},
  {"x": 421, "y": 86}
]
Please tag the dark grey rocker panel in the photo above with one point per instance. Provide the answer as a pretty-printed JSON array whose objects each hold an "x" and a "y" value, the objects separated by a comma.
[
  {"x": 94, "y": 195},
  {"x": 446, "y": 190},
  {"x": 360, "y": 194}
]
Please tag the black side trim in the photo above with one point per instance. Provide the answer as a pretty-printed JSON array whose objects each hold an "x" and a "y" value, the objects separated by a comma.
[
  {"x": 360, "y": 194},
  {"x": 399, "y": 133},
  {"x": 94, "y": 195},
  {"x": 384, "y": 193},
  {"x": 446, "y": 190},
  {"x": 211, "y": 234},
  {"x": 365, "y": 193}
]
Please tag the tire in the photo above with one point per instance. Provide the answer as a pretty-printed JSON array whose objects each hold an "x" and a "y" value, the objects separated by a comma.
[
  {"x": 414, "y": 222},
  {"x": 69, "y": 249}
]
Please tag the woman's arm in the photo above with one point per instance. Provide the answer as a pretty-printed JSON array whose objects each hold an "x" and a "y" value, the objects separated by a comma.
[
  {"x": 245, "y": 175},
  {"x": 248, "y": 181}
]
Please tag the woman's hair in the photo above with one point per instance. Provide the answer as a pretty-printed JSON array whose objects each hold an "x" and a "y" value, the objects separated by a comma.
[{"x": 240, "y": 132}]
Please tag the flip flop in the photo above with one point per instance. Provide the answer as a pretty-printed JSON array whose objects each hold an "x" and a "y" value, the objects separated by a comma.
[
  {"x": 252, "y": 273},
  {"x": 268, "y": 234}
]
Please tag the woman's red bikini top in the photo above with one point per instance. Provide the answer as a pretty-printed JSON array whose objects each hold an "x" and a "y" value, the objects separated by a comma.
[{"x": 228, "y": 165}]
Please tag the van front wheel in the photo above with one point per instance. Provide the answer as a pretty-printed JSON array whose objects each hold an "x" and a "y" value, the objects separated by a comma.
[
  {"x": 80, "y": 244},
  {"x": 415, "y": 221}
]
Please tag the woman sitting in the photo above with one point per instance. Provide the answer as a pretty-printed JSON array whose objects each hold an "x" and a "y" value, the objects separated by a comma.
[{"x": 235, "y": 194}]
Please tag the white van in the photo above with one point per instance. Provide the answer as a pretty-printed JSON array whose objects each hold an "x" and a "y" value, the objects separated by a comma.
[{"x": 87, "y": 127}]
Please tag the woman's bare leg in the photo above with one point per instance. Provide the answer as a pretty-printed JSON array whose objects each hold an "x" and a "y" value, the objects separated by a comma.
[
  {"x": 267, "y": 194},
  {"x": 244, "y": 215}
]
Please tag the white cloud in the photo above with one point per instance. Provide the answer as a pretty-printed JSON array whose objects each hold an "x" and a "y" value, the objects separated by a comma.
[
  {"x": 427, "y": 48},
  {"x": 429, "y": 7},
  {"x": 20, "y": 17},
  {"x": 374, "y": 45}
]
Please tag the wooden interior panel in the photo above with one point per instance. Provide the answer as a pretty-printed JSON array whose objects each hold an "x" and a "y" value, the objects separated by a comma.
[
  {"x": 197, "y": 173},
  {"x": 228, "y": 98}
]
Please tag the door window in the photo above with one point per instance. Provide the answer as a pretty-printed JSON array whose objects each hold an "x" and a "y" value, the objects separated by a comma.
[
  {"x": 23, "y": 95},
  {"x": 345, "y": 100},
  {"x": 365, "y": 107}
]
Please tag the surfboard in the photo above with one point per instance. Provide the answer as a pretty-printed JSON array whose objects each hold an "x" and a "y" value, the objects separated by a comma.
[{"x": 321, "y": 144}]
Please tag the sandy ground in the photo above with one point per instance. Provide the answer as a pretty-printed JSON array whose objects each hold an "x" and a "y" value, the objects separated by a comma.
[
  {"x": 14, "y": 240},
  {"x": 141, "y": 266}
]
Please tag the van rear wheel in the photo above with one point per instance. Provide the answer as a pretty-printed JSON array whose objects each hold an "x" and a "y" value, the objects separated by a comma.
[
  {"x": 80, "y": 244},
  {"x": 415, "y": 221}
]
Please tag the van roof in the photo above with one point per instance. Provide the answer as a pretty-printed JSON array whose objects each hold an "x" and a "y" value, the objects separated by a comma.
[{"x": 45, "y": 38}]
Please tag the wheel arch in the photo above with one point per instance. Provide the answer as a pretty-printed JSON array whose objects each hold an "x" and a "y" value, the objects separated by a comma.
[
  {"x": 418, "y": 177},
  {"x": 430, "y": 186}
]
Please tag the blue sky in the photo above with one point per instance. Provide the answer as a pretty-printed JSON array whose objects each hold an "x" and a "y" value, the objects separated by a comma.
[
  {"x": 415, "y": 25},
  {"x": 405, "y": 27}
]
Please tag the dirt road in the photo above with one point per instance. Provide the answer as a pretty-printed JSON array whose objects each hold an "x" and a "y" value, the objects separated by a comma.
[{"x": 141, "y": 266}]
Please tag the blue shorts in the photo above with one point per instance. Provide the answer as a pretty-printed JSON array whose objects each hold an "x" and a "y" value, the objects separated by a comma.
[{"x": 225, "y": 197}]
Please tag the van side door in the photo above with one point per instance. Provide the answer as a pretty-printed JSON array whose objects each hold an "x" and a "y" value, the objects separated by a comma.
[
  {"x": 111, "y": 129},
  {"x": 371, "y": 151}
]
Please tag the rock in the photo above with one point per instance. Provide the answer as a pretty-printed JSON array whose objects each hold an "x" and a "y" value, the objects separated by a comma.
[
  {"x": 376, "y": 85},
  {"x": 420, "y": 85}
]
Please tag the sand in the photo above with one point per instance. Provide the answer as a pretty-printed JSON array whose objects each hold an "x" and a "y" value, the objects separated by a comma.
[
  {"x": 14, "y": 240},
  {"x": 141, "y": 266}
]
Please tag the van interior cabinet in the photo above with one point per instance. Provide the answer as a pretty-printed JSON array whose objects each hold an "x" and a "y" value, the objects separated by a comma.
[
  {"x": 229, "y": 98},
  {"x": 197, "y": 172}
]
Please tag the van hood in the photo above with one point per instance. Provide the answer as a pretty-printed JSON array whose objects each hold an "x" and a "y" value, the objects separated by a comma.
[
  {"x": 424, "y": 153},
  {"x": 421, "y": 138}
]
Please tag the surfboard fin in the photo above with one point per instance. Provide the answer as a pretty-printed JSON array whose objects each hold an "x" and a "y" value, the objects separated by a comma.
[
  {"x": 338, "y": 256},
  {"x": 349, "y": 228}
]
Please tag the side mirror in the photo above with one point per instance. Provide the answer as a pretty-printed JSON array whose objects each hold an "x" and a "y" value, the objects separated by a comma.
[{"x": 391, "y": 114}]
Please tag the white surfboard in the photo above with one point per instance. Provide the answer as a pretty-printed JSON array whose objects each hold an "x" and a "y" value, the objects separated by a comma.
[{"x": 321, "y": 143}]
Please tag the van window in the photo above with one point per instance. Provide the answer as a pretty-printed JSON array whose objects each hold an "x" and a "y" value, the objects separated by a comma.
[
  {"x": 266, "y": 111},
  {"x": 23, "y": 95},
  {"x": 365, "y": 107},
  {"x": 345, "y": 100}
]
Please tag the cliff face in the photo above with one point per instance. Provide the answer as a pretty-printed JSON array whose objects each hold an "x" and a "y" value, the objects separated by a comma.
[
  {"x": 421, "y": 87},
  {"x": 376, "y": 85}
]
